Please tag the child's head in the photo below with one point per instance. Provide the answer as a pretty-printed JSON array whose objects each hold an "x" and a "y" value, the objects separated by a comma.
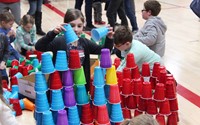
[
  {"x": 143, "y": 119},
  {"x": 27, "y": 22},
  {"x": 6, "y": 20},
  {"x": 76, "y": 19},
  {"x": 122, "y": 38},
  {"x": 151, "y": 8}
]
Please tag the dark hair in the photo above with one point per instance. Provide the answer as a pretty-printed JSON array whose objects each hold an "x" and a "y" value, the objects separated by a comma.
[
  {"x": 6, "y": 16},
  {"x": 27, "y": 19},
  {"x": 122, "y": 35},
  {"x": 73, "y": 14},
  {"x": 154, "y": 6}
]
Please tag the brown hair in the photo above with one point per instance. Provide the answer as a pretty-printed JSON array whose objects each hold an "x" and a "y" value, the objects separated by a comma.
[
  {"x": 122, "y": 35},
  {"x": 73, "y": 14},
  {"x": 27, "y": 19},
  {"x": 154, "y": 6},
  {"x": 6, "y": 16}
]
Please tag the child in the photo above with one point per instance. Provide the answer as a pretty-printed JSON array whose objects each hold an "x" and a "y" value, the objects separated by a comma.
[
  {"x": 85, "y": 47},
  {"x": 6, "y": 116},
  {"x": 152, "y": 33},
  {"x": 124, "y": 42},
  {"x": 26, "y": 35},
  {"x": 6, "y": 23},
  {"x": 4, "y": 54},
  {"x": 143, "y": 119},
  {"x": 97, "y": 12}
]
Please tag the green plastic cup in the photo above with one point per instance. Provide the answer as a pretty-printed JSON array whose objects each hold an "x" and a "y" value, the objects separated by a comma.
[{"x": 79, "y": 77}]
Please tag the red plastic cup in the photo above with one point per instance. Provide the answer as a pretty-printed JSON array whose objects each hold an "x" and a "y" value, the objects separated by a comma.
[
  {"x": 29, "y": 67},
  {"x": 173, "y": 105},
  {"x": 153, "y": 81},
  {"x": 162, "y": 77},
  {"x": 12, "y": 72},
  {"x": 55, "y": 81},
  {"x": 86, "y": 114},
  {"x": 39, "y": 55},
  {"x": 15, "y": 63},
  {"x": 28, "y": 53},
  {"x": 137, "y": 91},
  {"x": 91, "y": 90},
  {"x": 151, "y": 107},
  {"x": 146, "y": 90},
  {"x": 16, "y": 107},
  {"x": 102, "y": 117},
  {"x": 145, "y": 69},
  {"x": 126, "y": 73},
  {"x": 130, "y": 61},
  {"x": 123, "y": 101},
  {"x": 74, "y": 60},
  {"x": 116, "y": 62},
  {"x": 159, "y": 94},
  {"x": 126, "y": 87},
  {"x": 131, "y": 102},
  {"x": 114, "y": 94},
  {"x": 126, "y": 113},
  {"x": 176, "y": 113},
  {"x": 165, "y": 108},
  {"x": 13, "y": 80},
  {"x": 4, "y": 84},
  {"x": 155, "y": 69},
  {"x": 137, "y": 112},
  {"x": 135, "y": 73},
  {"x": 20, "y": 68},
  {"x": 160, "y": 119},
  {"x": 24, "y": 71},
  {"x": 172, "y": 119},
  {"x": 142, "y": 104},
  {"x": 119, "y": 78},
  {"x": 170, "y": 92}
]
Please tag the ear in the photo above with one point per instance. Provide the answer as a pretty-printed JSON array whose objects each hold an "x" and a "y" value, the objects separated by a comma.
[{"x": 127, "y": 43}]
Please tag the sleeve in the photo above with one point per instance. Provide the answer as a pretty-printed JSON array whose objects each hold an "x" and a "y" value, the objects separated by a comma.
[
  {"x": 147, "y": 35},
  {"x": 33, "y": 35},
  {"x": 6, "y": 50},
  {"x": 21, "y": 42}
]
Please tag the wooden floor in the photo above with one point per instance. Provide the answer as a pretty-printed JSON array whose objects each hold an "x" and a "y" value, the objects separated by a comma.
[{"x": 182, "y": 55}]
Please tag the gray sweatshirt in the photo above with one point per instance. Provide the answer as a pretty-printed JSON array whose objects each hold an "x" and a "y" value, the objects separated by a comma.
[{"x": 152, "y": 34}]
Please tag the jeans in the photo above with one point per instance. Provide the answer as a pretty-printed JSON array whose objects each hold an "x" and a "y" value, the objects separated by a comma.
[
  {"x": 97, "y": 11},
  {"x": 130, "y": 12},
  {"x": 35, "y": 5}
]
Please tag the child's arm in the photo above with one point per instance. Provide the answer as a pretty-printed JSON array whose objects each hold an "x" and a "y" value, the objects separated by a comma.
[{"x": 6, "y": 50}]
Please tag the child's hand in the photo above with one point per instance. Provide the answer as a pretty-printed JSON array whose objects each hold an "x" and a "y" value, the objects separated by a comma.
[
  {"x": 11, "y": 33},
  {"x": 33, "y": 48},
  {"x": 59, "y": 28},
  {"x": 2, "y": 65},
  {"x": 110, "y": 33}
]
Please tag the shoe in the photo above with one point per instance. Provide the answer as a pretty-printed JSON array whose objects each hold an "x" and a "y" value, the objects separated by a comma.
[
  {"x": 100, "y": 22},
  {"x": 89, "y": 28}
]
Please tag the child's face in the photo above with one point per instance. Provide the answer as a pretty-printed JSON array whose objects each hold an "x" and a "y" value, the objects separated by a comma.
[
  {"x": 77, "y": 25},
  {"x": 123, "y": 47},
  {"x": 7, "y": 25},
  {"x": 145, "y": 14},
  {"x": 28, "y": 27}
]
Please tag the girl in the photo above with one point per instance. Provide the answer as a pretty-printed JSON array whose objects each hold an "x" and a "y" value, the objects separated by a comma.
[
  {"x": 26, "y": 35},
  {"x": 6, "y": 116},
  {"x": 85, "y": 47},
  {"x": 6, "y": 23}
]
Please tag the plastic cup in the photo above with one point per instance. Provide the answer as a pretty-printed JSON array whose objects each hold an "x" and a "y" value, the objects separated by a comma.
[
  {"x": 162, "y": 76},
  {"x": 155, "y": 69},
  {"x": 137, "y": 112},
  {"x": 69, "y": 98},
  {"x": 105, "y": 59},
  {"x": 91, "y": 92},
  {"x": 32, "y": 57},
  {"x": 172, "y": 119},
  {"x": 74, "y": 60},
  {"x": 47, "y": 118},
  {"x": 56, "y": 100},
  {"x": 70, "y": 35},
  {"x": 142, "y": 104},
  {"x": 160, "y": 119},
  {"x": 81, "y": 95},
  {"x": 73, "y": 116},
  {"x": 14, "y": 95},
  {"x": 98, "y": 76},
  {"x": 12, "y": 72},
  {"x": 98, "y": 33},
  {"x": 145, "y": 69},
  {"x": 153, "y": 81},
  {"x": 165, "y": 108},
  {"x": 99, "y": 96},
  {"x": 102, "y": 115},
  {"x": 41, "y": 102},
  {"x": 61, "y": 61},
  {"x": 126, "y": 113},
  {"x": 28, "y": 105},
  {"x": 55, "y": 81},
  {"x": 107, "y": 91},
  {"x": 67, "y": 78},
  {"x": 13, "y": 80},
  {"x": 86, "y": 114},
  {"x": 151, "y": 107},
  {"x": 146, "y": 90},
  {"x": 114, "y": 94},
  {"x": 18, "y": 75},
  {"x": 116, "y": 113},
  {"x": 40, "y": 82},
  {"x": 135, "y": 73},
  {"x": 38, "y": 117},
  {"x": 47, "y": 66},
  {"x": 79, "y": 76},
  {"x": 137, "y": 91},
  {"x": 130, "y": 61},
  {"x": 15, "y": 63},
  {"x": 170, "y": 92},
  {"x": 123, "y": 100},
  {"x": 16, "y": 107},
  {"x": 5, "y": 84},
  {"x": 111, "y": 76},
  {"x": 173, "y": 105},
  {"x": 159, "y": 94},
  {"x": 35, "y": 63},
  {"x": 62, "y": 118},
  {"x": 24, "y": 71},
  {"x": 120, "y": 78},
  {"x": 127, "y": 87},
  {"x": 117, "y": 62},
  {"x": 131, "y": 102},
  {"x": 126, "y": 73},
  {"x": 39, "y": 55}
]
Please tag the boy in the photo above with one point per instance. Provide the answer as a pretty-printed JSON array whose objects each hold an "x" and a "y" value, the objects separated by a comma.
[
  {"x": 152, "y": 33},
  {"x": 123, "y": 41}
]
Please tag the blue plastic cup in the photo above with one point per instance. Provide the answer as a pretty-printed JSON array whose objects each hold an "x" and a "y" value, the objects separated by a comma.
[
  {"x": 61, "y": 61},
  {"x": 18, "y": 75},
  {"x": 98, "y": 77},
  {"x": 70, "y": 35},
  {"x": 15, "y": 88},
  {"x": 47, "y": 118},
  {"x": 57, "y": 100},
  {"x": 67, "y": 78},
  {"x": 98, "y": 33},
  {"x": 14, "y": 95},
  {"x": 21, "y": 102},
  {"x": 62, "y": 118},
  {"x": 73, "y": 116},
  {"x": 38, "y": 117},
  {"x": 116, "y": 113},
  {"x": 35, "y": 63},
  {"x": 47, "y": 64},
  {"x": 99, "y": 96},
  {"x": 69, "y": 98},
  {"x": 40, "y": 82},
  {"x": 81, "y": 95},
  {"x": 41, "y": 102},
  {"x": 107, "y": 91},
  {"x": 55, "y": 115},
  {"x": 105, "y": 59}
]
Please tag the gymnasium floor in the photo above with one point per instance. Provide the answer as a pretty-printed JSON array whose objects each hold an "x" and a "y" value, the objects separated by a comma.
[{"x": 181, "y": 56}]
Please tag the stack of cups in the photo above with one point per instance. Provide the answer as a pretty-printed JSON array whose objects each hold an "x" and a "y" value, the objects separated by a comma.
[
  {"x": 61, "y": 61},
  {"x": 47, "y": 64},
  {"x": 74, "y": 57}
]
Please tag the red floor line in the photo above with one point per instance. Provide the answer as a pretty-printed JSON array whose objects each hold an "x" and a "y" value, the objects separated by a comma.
[
  {"x": 181, "y": 90},
  {"x": 189, "y": 95}
]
